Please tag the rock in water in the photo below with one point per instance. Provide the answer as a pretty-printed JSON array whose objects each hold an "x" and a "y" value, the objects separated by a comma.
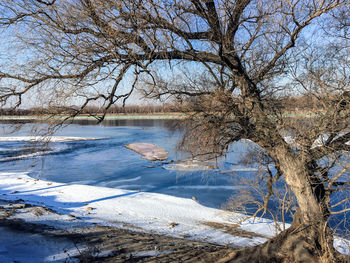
[{"x": 149, "y": 151}]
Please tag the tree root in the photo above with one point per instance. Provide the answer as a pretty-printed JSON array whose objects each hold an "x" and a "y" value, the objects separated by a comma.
[{"x": 289, "y": 246}]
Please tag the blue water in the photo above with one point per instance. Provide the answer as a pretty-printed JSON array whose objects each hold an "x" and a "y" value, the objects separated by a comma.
[{"x": 108, "y": 163}]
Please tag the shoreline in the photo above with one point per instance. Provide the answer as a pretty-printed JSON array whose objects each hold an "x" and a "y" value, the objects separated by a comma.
[
  {"x": 98, "y": 224},
  {"x": 99, "y": 243},
  {"x": 174, "y": 116},
  {"x": 141, "y": 116}
]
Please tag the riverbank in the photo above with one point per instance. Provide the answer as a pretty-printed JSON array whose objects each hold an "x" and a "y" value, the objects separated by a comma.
[
  {"x": 92, "y": 243},
  {"x": 164, "y": 116},
  {"x": 114, "y": 225}
]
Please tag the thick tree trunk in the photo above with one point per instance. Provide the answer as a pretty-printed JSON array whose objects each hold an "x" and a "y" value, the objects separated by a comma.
[
  {"x": 309, "y": 239},
  {"x": 298, "y": 244}
]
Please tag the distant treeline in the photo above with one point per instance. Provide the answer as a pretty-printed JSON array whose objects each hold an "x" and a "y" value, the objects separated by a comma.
[
  {"x": 304, "y": 103},
  {"x": 132, "y": 109}
]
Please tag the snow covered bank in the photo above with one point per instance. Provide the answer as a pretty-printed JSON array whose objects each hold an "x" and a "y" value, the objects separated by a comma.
[
  {"x": 45, "y": 139},
  {"x": 158, "y": 213},
  {"x": 149, "y": 211},
  {"x": 149, "y": 151}
]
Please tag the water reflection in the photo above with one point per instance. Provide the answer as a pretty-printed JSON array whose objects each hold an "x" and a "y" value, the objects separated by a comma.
[
  {"x": 130, "y": 122},
  {"x": 169, "y": 123}
]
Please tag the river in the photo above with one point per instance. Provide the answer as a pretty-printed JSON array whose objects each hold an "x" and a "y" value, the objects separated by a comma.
[{"x": 108, "y": 163}]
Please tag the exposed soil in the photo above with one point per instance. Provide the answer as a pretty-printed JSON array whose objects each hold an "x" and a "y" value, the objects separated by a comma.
[
  {"x": 233, "y": 229},
  {"x": 128, "y": 246}
]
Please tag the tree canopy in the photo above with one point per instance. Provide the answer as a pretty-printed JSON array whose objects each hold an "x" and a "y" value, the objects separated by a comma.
[{"x": 232, "y": 65}]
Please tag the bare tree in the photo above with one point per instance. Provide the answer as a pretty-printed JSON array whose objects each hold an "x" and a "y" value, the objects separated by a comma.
[{"x": 244, "y": 59}]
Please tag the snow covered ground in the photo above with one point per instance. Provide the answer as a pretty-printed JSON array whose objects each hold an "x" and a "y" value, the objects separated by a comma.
[{"x": 153, "y": 212}]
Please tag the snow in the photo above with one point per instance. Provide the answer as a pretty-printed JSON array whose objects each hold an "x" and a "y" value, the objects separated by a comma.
[
  {"x": 151, "y": 212},
  {"x": 342, "y": 245},
  {"x": 45, "y": 139},
  {"x": 320, "y": 141},
  {"x": 149, "y": 151}
]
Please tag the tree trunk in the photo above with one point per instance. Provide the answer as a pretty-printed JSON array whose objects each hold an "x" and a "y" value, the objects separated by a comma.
[
  {"x": 309, "y": 239},
  {"x": 299, "y": 243}
]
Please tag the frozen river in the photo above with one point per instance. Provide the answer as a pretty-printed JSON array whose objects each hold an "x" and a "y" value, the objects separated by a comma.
[{"x": 108, "y": 163}]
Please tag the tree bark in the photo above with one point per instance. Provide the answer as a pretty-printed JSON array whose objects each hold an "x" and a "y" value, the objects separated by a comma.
[
  {"x": 309, "y": 238},
  {"x": 309, "y": 235}
]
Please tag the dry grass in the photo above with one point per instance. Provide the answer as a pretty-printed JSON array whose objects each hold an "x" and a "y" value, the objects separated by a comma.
[{"x": 233, "y": 229}]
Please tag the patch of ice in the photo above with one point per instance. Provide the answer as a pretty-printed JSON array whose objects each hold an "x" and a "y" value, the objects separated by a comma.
[
  {"x": 188, "y": 167},
  {"x": 25, "y": 156},
  {"x": 191, "y": 165},
  {"x": 149, "y": 151},
  {"x": 29, "y": 152}
]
